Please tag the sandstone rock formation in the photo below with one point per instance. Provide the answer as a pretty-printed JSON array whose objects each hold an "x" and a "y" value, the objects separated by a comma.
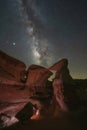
[
  {"x": 66, "y": 91},
  {"x": 37, "y": 78},
  {"x": 12, "y": 66},
  {"x": 61, "y": 68},
  {"x": 59, "y": 65},
  {"x": 58, "y": 89},
  {"x": 13, "y": 98},
  {"x": 14, "y": 94},
  {"x": 46, "y": 97},
  {"x": 6, "y": 78}
]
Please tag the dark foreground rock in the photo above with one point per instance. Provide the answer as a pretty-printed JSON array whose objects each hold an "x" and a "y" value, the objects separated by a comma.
[{"x": 65, "y": 122}]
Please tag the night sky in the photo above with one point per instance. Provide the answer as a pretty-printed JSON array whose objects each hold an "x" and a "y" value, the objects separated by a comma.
[{"x": 45, "y": 31}]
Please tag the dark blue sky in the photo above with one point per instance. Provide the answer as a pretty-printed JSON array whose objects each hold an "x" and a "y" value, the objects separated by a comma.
[{"x": 45, "y": 31}]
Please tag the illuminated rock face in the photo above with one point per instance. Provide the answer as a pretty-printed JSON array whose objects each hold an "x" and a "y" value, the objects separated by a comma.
[
  {"x": 13, "y": 99},
  {"x": 12, "y": 66},
  {"x": 58, "y": 89},
  {"x": 37, "y": 78},
  {"x": 6, "y": 78},
  {"x": 59, "y": 65},
  {"x": 61, "y": 68},
  {"x": 64, "y": 86}
]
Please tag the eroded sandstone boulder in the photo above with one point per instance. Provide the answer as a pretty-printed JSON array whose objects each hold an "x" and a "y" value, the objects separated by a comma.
[{"x": 37, "y": 78}]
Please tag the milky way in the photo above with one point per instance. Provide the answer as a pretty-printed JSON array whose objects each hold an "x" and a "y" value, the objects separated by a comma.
[
  {"x": 45, "y": 31},
  {"x": 39, "y": 44}
]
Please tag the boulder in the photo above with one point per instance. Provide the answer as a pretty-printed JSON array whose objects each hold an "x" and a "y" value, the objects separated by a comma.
[{"x": 37, "y": 78}]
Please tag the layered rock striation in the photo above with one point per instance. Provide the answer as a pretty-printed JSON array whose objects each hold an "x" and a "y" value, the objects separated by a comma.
[{"x": 12, "y": 66}]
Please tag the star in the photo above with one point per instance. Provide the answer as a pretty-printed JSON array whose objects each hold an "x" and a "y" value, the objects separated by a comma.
[{"x": 14, "y": 43}]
